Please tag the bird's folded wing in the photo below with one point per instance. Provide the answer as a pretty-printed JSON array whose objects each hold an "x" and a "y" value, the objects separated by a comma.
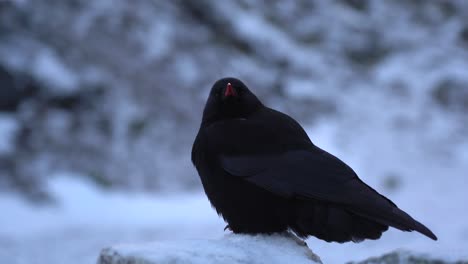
[
  {"x": 313, "y": 174},
  {"x": 316, "y": 174}
]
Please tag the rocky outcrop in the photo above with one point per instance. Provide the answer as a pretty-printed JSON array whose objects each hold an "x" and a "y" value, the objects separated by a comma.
[{"x": 406, "y": 257}]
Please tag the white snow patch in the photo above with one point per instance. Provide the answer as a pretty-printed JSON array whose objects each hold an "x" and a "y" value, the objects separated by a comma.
[
  {"x": 157, "y": 39},
  {"x": 49, "y": 68},
  {"x": 8, "y": 128},
  {"x": 303, "y": 89},
  {"x": 80, "y": 203},
  {"x": 230, "y": 249},
  {"x": 87, "y": 219}
]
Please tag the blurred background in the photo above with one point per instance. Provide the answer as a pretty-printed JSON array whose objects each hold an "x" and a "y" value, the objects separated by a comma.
[{"x": 100, "y": 102}]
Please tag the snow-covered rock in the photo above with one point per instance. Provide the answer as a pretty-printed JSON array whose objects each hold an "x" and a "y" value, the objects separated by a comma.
[
  {"x": 232, "y": 248},
  {"x": 406, "y": 257}
]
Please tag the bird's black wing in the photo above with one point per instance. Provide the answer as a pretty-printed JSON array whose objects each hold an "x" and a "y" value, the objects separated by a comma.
[
  {"x": 306, "y": 172},
  {"x": 303, "y": 173},
  {"x": 319, "y": 175}
]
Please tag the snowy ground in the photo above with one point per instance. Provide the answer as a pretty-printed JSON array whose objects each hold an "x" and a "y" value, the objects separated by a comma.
[{"x": 88, "y": 219}]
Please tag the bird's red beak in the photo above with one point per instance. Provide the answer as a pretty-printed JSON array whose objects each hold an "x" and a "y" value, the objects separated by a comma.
[{"x": 229, "y": 91}]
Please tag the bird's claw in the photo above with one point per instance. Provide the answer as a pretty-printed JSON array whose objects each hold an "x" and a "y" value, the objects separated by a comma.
[{"x": 227, "y": 227}]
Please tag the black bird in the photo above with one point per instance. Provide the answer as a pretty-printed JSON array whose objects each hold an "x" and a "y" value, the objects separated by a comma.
[{"x": 262, "y": 174}]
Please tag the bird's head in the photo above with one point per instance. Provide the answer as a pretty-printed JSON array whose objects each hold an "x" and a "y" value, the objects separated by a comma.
[{"x": 230, "y": 98}]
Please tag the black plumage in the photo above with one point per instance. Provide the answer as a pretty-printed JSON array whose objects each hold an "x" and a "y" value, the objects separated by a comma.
[{"x": 262, "y": 174}]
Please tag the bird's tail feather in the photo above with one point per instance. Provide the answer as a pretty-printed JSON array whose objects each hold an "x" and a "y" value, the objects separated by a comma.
[
  {"x": 397, "y": 218},
  {"x": 332, "y": 224}
]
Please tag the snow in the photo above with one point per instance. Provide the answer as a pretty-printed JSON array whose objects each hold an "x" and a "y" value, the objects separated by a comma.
[
  {"x": 51, "y": 70},
  {"x": 231, "y": 248},
  {"x": 142, "y": 55},
  {"x": 86, "y": 219},
  {"x": 432, "y": 193},
  {"x": 404, "y": 257},
  {"x": 387, "y": 123},
  {"x": 8, "y": 128}
]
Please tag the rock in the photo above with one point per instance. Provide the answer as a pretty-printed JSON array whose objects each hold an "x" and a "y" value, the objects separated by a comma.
[
  {"x": 232, "y": 248},
  {"x": 406, "y": 257}
]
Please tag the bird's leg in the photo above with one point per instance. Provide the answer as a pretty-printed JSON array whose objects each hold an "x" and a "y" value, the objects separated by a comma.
[
  {"x": 298, "y": 240},
  {"x": 227, "y": 227},
  {"x": 302, "y": 242}
]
